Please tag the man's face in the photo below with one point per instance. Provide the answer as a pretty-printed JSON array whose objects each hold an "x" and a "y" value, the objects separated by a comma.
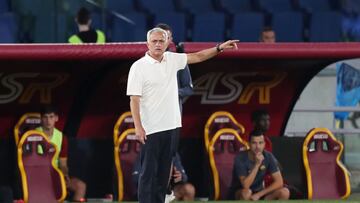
[
  {"x": 263, "y": 123},
  {"x": 170, "y": 37},
  {"x": 268, "y": 37},
  {"x": 257, "y": 144},
  {"x": 157, "y": 44},
  {"x": 48, "y": 120}
]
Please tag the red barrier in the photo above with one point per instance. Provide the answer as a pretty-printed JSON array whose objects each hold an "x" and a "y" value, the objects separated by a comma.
[{"x": 88, "y": 82}]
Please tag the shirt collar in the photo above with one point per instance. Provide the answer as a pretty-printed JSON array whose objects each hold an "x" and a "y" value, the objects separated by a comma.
[{"x": 154, "y": 61}]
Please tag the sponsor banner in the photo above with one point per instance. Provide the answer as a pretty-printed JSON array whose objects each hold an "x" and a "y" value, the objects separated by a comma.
[{"x": 88, "y": 85}]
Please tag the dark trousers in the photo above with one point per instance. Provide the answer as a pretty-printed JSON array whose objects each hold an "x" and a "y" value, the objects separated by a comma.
[{"x": 156, "y": 157}]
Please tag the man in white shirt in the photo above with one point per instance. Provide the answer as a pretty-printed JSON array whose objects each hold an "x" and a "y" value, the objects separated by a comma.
[{"x": 153, "y": 90}]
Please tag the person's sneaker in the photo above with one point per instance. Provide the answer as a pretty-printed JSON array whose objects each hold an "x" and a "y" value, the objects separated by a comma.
[{"x": 169, "y": 198}]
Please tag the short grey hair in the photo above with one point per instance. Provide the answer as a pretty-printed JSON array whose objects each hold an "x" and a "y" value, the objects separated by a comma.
[{"x": 157, "y": 29}]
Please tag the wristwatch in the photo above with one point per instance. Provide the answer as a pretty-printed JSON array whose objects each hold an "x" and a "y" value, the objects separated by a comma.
[{"x": 218, "y": 49}]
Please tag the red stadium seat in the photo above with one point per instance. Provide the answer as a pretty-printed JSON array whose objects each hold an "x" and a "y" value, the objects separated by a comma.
[
  {"x": 219, "y": 120},
  {"x": 29, "y": 121},
  {"x": 223, "y": 148},
  {"x": 123, "y": 123},
  {"x": 327, "y": 177},
  {"x": 126, "y": 150},
  {"x": 42, "y": 181}
]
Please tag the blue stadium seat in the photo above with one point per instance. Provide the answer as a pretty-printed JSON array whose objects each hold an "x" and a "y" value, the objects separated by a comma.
[
  {"x": 158, "y": 6},
  {"x": 275, "y": 6},
  {"x": 177, "y": 22},
  {"x": 325, "y": 27},
  {"x": 209, "y": 27},
  {"x": 197, "y": 6},
  {"x": 123, "y": 31},
  {"x": 6, "y": 34},
  {"x": 351, "y": 6},
  {"x": 97, "y": 21},
  {"x": 26, "y": 7},
  {"x": 11, "y": 20},
  {"x": 4, "y": 6},
  {"x": 247, "y": 26},
  {"x": 48, "y": 29},
  {"x": 72, "y": 6},
  {"x": 236, "y": 6},
  {"x": 122, "y": 6},
  {"x": 288, "y": 26},
  {"x": 315, "y": 6}
]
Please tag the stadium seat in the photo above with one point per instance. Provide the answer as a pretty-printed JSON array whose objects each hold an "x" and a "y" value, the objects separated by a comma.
[
  {"x": 247, "y": 26},
  {"x": 50, "y": 28},
  {"x": 26, "y": 7},
  {"x": 42, "y": 180},
  {"x": 6, "y": 34},
  {"x": 236, "y": 7},
  {"x": 4, "y": 6},
  {"x": 196, "y": 6},
  {"x": 327, "y": 177},
  {"x": 97, "y": 21},
  {"x": 126, "y": 150},
  {"x": 218, "y": 121},
  {"x": 351, "y": 6},
  {"x": 72, "y": 6},
  {"x": 275, "y": 6},
  {"x": 326, "y": 27},
  {"x": 122, "y": 6},
  {"x": 123, "y": 31},
  {"x": 11, "y": 19},
  {"x": 177, "y": 22},
  {"x": 213, "y": 23},
  {"x": 288, "y": 26},
  {"x": 312, "y": 6},
  {"x": 158, "y": 6},
  {"x": 223, "y": 148},
  {"x": 124, "y": 123},
  {"x": 29, "y": 121}
]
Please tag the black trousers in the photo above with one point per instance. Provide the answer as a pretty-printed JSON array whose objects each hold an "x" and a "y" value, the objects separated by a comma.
[{"x": 156, "y": 157}]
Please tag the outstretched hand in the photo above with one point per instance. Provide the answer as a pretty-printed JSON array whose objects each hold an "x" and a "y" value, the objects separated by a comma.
[{"x": 230, "y": 44}]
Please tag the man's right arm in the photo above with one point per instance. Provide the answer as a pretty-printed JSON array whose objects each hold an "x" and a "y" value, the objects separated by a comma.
[
  {"x": 135, "y": 112},
  {"x": 247, "y": 181}
]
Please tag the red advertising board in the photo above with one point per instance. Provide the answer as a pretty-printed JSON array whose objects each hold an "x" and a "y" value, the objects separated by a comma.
[{"x": 88, "y": 83}]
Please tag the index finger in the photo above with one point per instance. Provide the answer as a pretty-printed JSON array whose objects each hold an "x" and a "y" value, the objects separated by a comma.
[{"x": 236, "y": 47}]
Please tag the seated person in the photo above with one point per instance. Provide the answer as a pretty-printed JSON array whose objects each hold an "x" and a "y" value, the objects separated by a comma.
[
  {"x": 49, "y": 117},
  {"x": 261, "y": 121},
  {"x": 250, "y": 168},
  {"x": 183, "y": 190}
]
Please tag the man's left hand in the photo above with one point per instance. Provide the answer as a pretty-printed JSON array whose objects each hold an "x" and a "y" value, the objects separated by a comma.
[
  {"x": 255, "y": 197},
  {"x": 230, "y": 44},
  {"x": 177, "y": 175}
]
